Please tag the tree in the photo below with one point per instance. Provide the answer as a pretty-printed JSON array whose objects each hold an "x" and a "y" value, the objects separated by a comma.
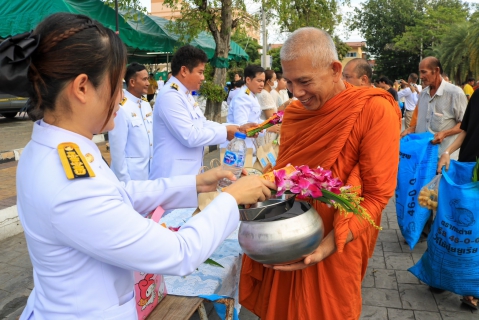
[
  {"x": 322, "y": 14},
  {"x": 380, "y": 22},
  {"x": 430, "y": 27},
  {"x": 454, "y": 53},
  {"x": 249, "y": 45},
  {"x": 276, "y": 65},
  {"x": 133, "y": 6},
  {"x": 217, "y": 17}
]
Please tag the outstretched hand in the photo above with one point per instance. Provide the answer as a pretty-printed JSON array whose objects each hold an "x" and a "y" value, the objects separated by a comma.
[{"x": 207, "y": 182}]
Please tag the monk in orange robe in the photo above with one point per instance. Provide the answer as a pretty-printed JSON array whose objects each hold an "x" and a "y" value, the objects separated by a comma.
[{"x": 354, "y": 132}]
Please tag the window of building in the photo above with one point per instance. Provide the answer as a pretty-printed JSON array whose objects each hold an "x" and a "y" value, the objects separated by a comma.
[{"x": 352, "y": 54}]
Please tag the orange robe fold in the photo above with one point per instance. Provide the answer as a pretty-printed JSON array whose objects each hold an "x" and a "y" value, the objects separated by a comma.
[{"x": 356, "y": 136}]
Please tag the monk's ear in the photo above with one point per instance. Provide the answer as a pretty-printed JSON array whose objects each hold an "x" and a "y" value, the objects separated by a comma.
[{"x": 337, "y": 70}]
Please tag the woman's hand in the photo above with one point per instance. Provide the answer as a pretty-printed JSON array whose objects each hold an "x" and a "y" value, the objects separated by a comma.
[
  {"x": 445, "y": 160},
  {"x": 250, "y": 189},
  {"x": 207, "y": 182}
]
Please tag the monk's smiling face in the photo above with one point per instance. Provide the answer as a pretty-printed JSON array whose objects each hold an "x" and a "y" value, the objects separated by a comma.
[{"x": 312, "y": 86}]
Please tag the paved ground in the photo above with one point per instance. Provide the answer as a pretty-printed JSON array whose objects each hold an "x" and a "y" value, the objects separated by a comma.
[
  {"x": 390, "y": 292},
  {"x": 14, "y": 133}
]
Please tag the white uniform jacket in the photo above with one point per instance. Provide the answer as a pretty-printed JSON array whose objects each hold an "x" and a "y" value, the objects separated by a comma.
[
  {"x": 180, "y": 132},
  {"x": 131, "y": 141},
  {"x": 85, "y": 236},
  {"x": 244, "y": 108}
]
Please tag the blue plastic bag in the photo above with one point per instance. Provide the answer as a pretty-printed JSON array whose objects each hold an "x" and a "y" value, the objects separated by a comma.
[
  {"x": 451, "y": 261},
  {"x": 417, "y": 166}
]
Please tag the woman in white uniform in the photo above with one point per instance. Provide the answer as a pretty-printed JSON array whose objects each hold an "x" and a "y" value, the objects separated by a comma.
[{"x": 83, "y": 227}]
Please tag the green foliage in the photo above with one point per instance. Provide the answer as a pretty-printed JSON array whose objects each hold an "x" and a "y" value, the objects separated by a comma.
[
  {"x": 430, "y": 27},
  {"x": 209, "y": 72},
  {"x": 128, "y": 4},
  {"x": 274, "y": 53},
  {"x": 212, "y": 91},
  {"x": 249, "y": 45},
  {"x": 341, "y": 47},
  {"x": 291, "y": 15}
]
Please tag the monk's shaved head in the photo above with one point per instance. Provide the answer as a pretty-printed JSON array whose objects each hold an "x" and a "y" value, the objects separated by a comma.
[{"x": 311, "y": 42}]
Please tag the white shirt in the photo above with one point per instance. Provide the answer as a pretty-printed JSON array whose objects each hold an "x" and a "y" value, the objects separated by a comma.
[
  {"x": 180, "y": 132},
  {"x": 131, "y": 141},
  {"x": 266, "y": 102},
  {"x": 284, "y": 95},
  {"x": 244, "y": 108},
  {"x": 441, "y": 112},
  {"x": 277, "y": 98},
  {"x": 232, "y": 94},
  {"x": 85, "y": 236},
  {"x": 410, "y": 98}
]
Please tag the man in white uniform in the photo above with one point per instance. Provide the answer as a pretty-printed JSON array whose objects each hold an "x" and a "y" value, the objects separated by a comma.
[
  {"x": 180, "y": 129},
  {"x": 245, "y": 107},
  {"x": 131, "y": 141}
]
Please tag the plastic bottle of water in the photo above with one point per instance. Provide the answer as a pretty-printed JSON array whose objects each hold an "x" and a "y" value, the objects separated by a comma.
[{"x": 234, "y": 158}]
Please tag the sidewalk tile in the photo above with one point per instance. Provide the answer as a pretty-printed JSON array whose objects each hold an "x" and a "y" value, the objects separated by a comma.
[
  {"x": 398, "y": 261},
  {"x": 417, "y": 297},
  {"x": 406, "y": 277},
  {"x": 449, "y": 315},
  {"x": 399, "y": 314},
  {"x": 11, "y": 304},
  {"x": 385, "y": 279},
  {"x": 381, "y": 298},
  {"x": 392, "y": 247},
  {"x": 373, "y": 313},
  {"x": 368, "y": 281},
  {"x": 426, "y": 315},
  {"x": 388, "y": 236},
  {"x": 22, "y": 281},
  {"x": 416, "y": 257},
  {"x": 377, "y": 262},
  {"x": 448, "y": 301},
  {"x": 378, "y": 249}
]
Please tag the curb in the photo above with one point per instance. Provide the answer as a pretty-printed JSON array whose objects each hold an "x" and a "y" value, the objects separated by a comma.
[{"x": 14, "y": 155}]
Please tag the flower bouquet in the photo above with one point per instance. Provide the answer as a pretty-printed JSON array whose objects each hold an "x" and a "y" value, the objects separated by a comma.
[
  {"x": 319, "y": 184},
  {"x": 276, "y": 118}
]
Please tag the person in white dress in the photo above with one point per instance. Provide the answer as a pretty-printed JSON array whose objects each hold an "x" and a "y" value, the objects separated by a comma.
[
  {"x": 180, "y": 129},
  {"x": 233, "y": 92},
  {"x": 266, "y": 100},
  {"x": 131, "y": 140},
  {"x": 83, "y": 227}
]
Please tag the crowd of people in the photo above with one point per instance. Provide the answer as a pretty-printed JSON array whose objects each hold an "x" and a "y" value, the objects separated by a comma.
[{"x": 85, "y": 222}]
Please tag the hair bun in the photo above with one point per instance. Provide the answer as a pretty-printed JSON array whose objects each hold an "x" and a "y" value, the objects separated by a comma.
[{"x": 15, "y": 59}]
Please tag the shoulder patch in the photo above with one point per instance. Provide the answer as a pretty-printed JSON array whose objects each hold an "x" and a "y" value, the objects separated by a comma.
[
  {"x": 144, "y": 99},
  {"x": 123, "y": 101},
  {"x": 247, "y": 92},
  {"x": 175, "y": 86},
  {"x": 73, "y": 161}
]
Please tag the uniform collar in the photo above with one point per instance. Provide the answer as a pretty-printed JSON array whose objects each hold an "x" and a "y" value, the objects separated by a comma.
[
  {"x": 51, "y": 136},
  {"x": 131, "y": 97}
]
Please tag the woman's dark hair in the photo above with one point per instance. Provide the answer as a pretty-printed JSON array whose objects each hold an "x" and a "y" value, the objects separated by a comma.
[
  {"x": 70, "y": 45},
  {"x": 279, "y": 76},
  {"x": 252, "y": 70},
  {"x": 268, "y": 75},
  {"x": 187, "y": 56},
  {"x": 131, "y": 71},
  {"x": 239, "y": 84}
]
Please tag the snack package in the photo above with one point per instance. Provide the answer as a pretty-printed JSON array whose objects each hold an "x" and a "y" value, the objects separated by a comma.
[{"x": 428, "y": 194}]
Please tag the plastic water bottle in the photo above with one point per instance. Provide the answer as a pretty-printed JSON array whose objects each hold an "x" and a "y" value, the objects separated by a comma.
[{"x": 234, "y": 158}]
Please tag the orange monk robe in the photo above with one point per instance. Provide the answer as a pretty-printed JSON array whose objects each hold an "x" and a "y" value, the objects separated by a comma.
[{"x": 355, "y": 134}]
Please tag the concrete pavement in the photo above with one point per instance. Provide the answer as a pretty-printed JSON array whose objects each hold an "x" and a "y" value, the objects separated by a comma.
[{"x": 390, "y": 292}]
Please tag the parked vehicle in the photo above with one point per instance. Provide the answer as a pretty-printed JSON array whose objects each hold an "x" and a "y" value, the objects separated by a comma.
[{"x": 11, "y": 105}]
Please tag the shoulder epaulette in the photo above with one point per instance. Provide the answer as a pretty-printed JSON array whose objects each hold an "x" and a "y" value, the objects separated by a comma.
[
  {"x": 175, "y": 86},
  {"x": 123, "y": 101},
  {"x": 144, "y": 99},
  {"x": 74, "y": 162},
  {"x": 247, "y": 92}
]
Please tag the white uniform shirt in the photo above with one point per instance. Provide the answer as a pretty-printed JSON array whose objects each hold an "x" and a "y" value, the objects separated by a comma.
[
  {"x": 410, "y": 98},
  {"x": 181, "y": 132},
  {"x": 232, "y": 94},
  {"x": 85, "y": 236},
  {"x": 244, "y": 108},
  {"x": 131, "y": 141}
]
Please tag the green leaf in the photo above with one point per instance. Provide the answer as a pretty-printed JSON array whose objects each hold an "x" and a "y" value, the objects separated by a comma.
[{"x": 213, "y": 263}]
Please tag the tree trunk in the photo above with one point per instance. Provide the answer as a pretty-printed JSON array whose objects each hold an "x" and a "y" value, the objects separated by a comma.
[{"x": 222, "y": 39}]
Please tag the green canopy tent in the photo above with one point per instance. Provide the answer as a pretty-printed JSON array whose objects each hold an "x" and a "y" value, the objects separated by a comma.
[
  {"x": 149, "y": 24},
  {"x": 146, "y": 37},
  {"x": 19, "y": 16}
]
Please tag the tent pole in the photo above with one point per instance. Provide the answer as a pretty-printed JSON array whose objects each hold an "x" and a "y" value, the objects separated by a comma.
[
  {"x": 116, "y": 16},
  {"x": 167, "y": 62}
]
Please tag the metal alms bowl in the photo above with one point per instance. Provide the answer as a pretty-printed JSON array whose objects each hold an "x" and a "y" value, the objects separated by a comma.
[
  {"x": 282, "y": 241},
  {"x": 269, "y": 208}
]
